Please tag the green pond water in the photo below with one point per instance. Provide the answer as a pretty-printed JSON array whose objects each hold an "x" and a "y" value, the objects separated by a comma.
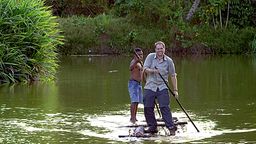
[{"x": 89, "y": 102}]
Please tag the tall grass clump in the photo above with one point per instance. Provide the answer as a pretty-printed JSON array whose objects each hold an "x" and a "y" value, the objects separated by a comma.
[{"x": 28, "y": 40}]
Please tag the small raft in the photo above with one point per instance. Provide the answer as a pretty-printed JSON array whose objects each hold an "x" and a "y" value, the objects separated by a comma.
[
  {"x": 158, "y": 124},
  {"x": 138, "y": 131}
]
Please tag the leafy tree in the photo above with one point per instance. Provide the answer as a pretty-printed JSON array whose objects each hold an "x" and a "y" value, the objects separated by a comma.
[{"x": 220, "y": 12}]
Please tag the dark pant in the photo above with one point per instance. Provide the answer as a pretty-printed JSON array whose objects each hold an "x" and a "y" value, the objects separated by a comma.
[{"x": 149, "y": 104}]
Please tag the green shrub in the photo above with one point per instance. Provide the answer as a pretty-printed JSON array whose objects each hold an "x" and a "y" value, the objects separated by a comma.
[
  {"x": 79, "y": 35},
  {"x": 28, "y": 40},
  {"x": 149, "y": 13},
  {"x": 102, "y": 34},
  {"x": 253, "y": 44},
  {"x": 65, "y": 8},
  {"x": 231, "y": 41},
  {"x": 106, "y": 34}
]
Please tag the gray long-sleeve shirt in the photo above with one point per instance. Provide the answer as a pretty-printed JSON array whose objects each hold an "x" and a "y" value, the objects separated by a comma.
[{"x": 166, "y": 68}]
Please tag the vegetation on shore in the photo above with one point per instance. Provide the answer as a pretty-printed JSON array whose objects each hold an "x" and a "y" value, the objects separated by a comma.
[
  {"x": 107, "y": 35},
  {"x": 216, "y": 27},
  {"x": 28, "y": 41},
  {"x": 30, "y": 35}
]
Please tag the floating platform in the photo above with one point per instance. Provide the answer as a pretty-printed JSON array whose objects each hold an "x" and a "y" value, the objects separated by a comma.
[{"x": 139, "y": 127}]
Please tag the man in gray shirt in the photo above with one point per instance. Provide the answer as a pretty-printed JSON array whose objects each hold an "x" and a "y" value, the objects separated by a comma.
[{"x": 155, "y": 88}]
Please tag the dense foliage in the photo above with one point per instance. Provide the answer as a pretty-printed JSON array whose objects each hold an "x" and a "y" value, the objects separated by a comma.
[
  {"x": 90, "y": 8},
  {"x": 29, "y": 33},
  {"x": 215, "y": 12},
  {"x": 28, "y": 40},
  {"x": 221, "y": 26},
  {"x": 104, "y": 34}
]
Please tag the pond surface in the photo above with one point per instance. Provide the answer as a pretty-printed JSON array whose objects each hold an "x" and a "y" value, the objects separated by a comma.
[{"x": 89, "y": 102}]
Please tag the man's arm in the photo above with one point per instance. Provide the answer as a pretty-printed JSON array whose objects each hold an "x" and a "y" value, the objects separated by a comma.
[
  {"x": 148, "y": 63},
  {"x": 148, "y": 70},
  {"x": 173, "y": 75},
  {"x": 134, "y": 64},
  {"x": 174, "y": 84}
]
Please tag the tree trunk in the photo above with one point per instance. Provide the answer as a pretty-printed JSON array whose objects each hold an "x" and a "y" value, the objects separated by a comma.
[
  {"x": 214, "y": 25},
  {"x": 192, "y": 10},
  {"x": 220, "y": 17},
  {"x": 227, "y": 16}
]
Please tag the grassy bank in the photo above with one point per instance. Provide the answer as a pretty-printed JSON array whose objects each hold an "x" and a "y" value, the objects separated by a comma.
[{"x": 106, "y": 34}]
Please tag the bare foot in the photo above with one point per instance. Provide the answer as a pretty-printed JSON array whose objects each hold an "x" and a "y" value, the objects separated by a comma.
[{"x": 133, "y": 121}]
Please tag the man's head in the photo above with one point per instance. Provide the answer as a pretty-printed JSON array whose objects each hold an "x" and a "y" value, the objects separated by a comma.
[
  {"x": 160, "y": 48},
  {"x": 138, "y": 52}
]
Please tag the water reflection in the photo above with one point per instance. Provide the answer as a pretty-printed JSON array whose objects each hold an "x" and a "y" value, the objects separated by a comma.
[
  {"x": 105, "y": 126},
  {"x": 89, "y": 101}
]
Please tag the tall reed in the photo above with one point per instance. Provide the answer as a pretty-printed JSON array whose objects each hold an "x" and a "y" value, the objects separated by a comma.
[{"x": 28, "y": 40}]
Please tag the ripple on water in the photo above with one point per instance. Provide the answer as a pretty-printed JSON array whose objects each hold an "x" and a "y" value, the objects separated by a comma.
[
  {"x": 83, "y": 126},
  {"x": 113, "y": 123}
]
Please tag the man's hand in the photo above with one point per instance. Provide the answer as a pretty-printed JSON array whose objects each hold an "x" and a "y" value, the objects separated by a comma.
[
  {"x": 176, "y": 94},
  {"x": 155, "y": 71}
]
